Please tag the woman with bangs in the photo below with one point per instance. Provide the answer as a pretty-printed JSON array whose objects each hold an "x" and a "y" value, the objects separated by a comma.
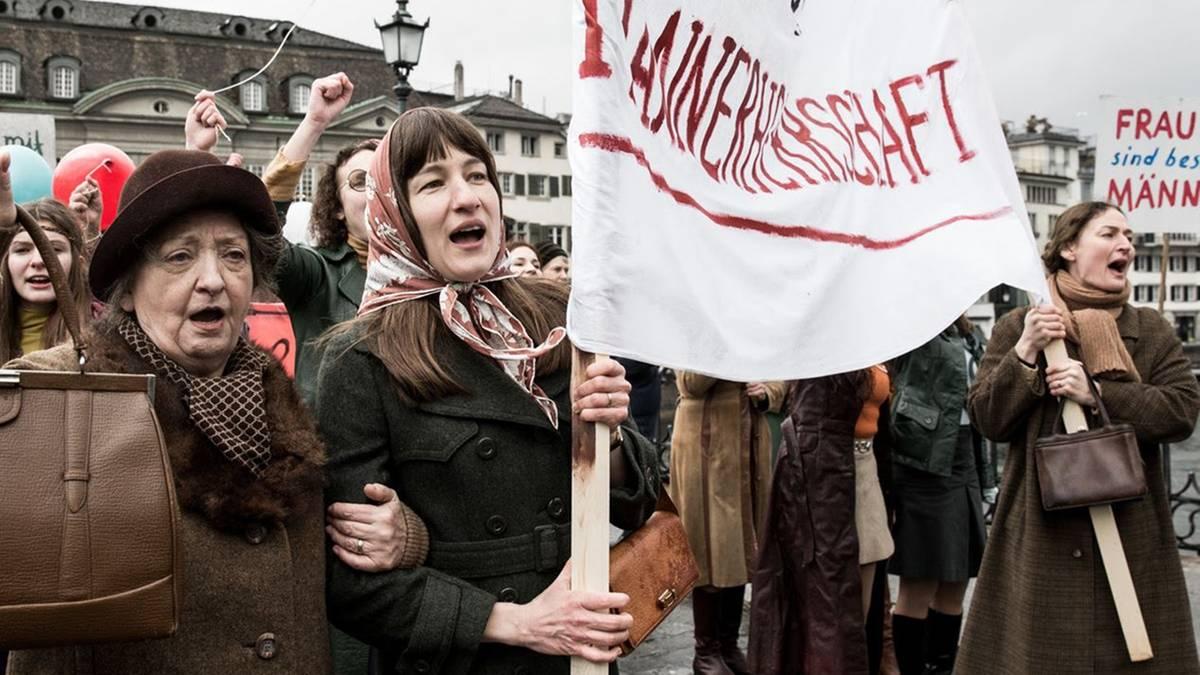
[
  {"x": 452, "y": 388},
  {"x": 30, "y": 319}
]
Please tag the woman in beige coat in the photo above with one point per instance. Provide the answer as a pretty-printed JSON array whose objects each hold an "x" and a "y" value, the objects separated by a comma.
[{"x": 720, "y": 478}]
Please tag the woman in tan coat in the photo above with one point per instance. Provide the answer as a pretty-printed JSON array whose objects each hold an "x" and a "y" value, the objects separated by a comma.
[
  {"x": 720, "y": 478},
  {"x": 1042, "y": 603}
]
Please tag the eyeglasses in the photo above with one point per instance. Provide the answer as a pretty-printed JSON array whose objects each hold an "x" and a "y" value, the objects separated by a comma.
[{"x": 357, "y": 180}]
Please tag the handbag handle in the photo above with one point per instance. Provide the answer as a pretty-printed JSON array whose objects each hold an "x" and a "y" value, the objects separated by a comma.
[
  {"x": 58, "y": 279},
  {"x": 1062, "y": 402}
]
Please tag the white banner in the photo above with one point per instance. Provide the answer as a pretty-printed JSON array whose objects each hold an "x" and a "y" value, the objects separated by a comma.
[
  {"x": 1148, "y": 162},
  {"x": 36, "y": 132},
  {"x": 777, "y": 189}
]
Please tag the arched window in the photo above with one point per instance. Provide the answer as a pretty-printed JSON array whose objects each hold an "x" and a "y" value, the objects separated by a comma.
[
  {"x": 10, "y": 73},
  {"x": 253, "y": 94},
  {"x": 299, "y": 89},
  {"x": 63, "y": 75}
]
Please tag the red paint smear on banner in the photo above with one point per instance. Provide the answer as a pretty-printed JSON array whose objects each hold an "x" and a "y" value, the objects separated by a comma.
[{"x": 620, "y": 144}]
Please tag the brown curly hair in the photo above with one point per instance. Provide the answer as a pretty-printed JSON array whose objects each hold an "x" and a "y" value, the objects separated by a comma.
[{"x": 325, "y": 227}]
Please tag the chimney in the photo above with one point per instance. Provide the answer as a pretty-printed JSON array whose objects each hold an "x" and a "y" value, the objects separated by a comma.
[
  {"x": 458, "y": 81},
  {"x": 510, "y": 81},
  {"x": 517, "y": 93}
]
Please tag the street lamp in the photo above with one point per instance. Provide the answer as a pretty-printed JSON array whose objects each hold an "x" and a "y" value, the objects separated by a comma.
[{"x": 402, "y": 38}]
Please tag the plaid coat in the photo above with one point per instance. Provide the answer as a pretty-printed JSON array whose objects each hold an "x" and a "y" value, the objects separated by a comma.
[{"x": 1042, "y": 602}]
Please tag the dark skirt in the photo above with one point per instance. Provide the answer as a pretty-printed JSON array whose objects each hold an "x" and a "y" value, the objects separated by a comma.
[{"x": 939, "y": 529}]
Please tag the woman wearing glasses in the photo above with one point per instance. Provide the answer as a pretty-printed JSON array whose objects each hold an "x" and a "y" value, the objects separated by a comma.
[{"x": 321, "y": 285}]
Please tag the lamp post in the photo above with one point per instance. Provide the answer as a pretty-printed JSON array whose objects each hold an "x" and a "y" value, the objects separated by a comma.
[{"x": 402, "y": 38}]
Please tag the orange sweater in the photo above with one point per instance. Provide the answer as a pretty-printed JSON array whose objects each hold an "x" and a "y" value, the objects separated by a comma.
[{"x": 868, "y": 420}]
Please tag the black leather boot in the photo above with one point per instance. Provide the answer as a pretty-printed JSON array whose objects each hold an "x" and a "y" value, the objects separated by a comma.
[
  {"x": 705, "y": 612},
  {"x": 729, "y": 625},
  {"x": 942, "y": 642},
  {"x": 909, "y": 636}
]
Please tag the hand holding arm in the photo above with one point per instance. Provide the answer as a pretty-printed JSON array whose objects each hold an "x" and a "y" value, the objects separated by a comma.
[{"x": 377, "y": 537}]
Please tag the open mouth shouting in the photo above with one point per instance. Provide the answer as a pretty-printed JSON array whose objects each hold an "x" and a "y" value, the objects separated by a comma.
[
  {"x": 38, "y": 282},
  {"x": 1118, "y": 267},
  {"x": 210, "y": 318},
  {"x": 468, "y": 235}
]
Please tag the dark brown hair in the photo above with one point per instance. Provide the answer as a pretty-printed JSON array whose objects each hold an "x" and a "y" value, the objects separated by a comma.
[
  {"x": 1067, "y": 229},
  {"x": 406, "y": 336},
  {"x": 328, "y": 230},
  {"x": 53, "y": 217}
]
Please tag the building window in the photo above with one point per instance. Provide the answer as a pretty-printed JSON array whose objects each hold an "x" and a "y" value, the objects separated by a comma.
[
  {"x": 299, "y": 89},
  {"x": 256, "y": 169},
  {"x": 1145, "y": 293},
  {"x": 537, "y": 185},
  {"x": 64, "y": 77},
  {"x": 506, "y": 184},
  {"x": 1041, "y": 194},
  {"x": 529, "y": 146},
  {"x": 1146, "y": 263},
  {"x": 495, "y": 141},
  {"x": 10, "y": 73},
  {"x": 1052, "y": 220},
  {"x": 161, "y": 107},
  {"x": 559, "y": 234},
  {"x": 1033, "y": 224},
  {"x": 566, "y": 186},
  {"x": 1183, "y": 294},
  {"x": 560, "y": 149},
  {"x": 254, "y": 96},
  {"x": 520, "y": 230},
  {"x": 304, "y": 189},
  {"x": 519, "y": 185}
]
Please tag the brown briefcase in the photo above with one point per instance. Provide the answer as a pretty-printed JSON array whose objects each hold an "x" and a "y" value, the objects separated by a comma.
[
  {"x": 655, "y": 567},
  {"x": 89, "y": 549}
]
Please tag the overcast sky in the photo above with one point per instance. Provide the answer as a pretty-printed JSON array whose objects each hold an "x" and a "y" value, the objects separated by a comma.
[{"x": 1049, "y": 57}]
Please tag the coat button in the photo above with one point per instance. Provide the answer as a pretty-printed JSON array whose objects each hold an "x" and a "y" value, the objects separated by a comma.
[
  {"x": 508, "y": 594},
  {"x": 421, "y": 666},
  {"x": 928, "y": 420},
  {"x": 265, "y": 646},
  {"x": 256, "y": 534},
  {"x": 485, "y": 448},
  {"x": 556, "y": 507},
  {"x": 1076, "y": 553},
  {"x": 497, "y": 525}
]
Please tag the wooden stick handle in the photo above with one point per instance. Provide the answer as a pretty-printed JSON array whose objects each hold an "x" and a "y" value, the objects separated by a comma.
[
  {"x": 1108, "y": 539},
  {"x": 589, "y": 504}
]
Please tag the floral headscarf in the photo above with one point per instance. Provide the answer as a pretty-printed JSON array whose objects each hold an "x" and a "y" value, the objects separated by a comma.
[{"x": 397, "y": 272}]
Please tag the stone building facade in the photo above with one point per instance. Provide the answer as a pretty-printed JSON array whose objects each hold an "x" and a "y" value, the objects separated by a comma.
[{"x": 126, "y": 75}]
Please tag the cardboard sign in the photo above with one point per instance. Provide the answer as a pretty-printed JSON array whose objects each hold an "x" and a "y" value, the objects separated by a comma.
[{"x": 270, "y": 327}]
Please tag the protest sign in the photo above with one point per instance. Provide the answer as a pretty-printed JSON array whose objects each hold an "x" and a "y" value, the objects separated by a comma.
[
  {"x": 36, "y": 132},
  {"x": 1148, "y": 162},
  {"x": 270, "y": 327},
  {"x": 801, "y": 189}
]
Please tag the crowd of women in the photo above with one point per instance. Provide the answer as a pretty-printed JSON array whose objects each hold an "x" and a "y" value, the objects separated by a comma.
[{"x": 365, "y": 519}]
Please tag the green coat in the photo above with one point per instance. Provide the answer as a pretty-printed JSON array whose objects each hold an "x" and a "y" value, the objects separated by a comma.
[
  {"x": 320, "y": 287},
  {"x": 929, "y": 392},
  {"x": 490, "y": 477}
]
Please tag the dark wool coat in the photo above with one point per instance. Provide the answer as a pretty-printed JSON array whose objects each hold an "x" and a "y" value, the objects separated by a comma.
[
  {"x": 253, "y": 568},
  {"x": 806, "y": 614},
  {"x": 490, "y": 477},
  {"x": 1042, "y": 602}
]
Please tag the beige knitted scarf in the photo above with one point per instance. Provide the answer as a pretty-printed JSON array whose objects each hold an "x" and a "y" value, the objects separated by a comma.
[{"x": 1092, "y": 325}]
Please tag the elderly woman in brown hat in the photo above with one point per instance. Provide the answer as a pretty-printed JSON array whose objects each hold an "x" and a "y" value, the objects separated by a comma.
[
  {"x": 1042, "y": 603},
  {"x": 192, "y": 241}
]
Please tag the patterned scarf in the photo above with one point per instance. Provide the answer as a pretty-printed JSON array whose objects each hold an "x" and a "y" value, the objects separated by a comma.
[
  {"x": 230, "y": 410},
  {"x": 1092, "y": 324},
  {"x": 397, "y": 272}
]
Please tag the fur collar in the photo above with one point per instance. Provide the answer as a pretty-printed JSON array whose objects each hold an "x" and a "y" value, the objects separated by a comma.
[{"x": 227, "y": 495}]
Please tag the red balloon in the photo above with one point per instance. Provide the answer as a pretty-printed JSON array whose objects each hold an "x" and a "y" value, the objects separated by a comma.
[{"x": 107, "y": 165}]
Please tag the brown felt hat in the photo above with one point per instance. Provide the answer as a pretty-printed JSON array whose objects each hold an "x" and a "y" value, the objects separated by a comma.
[{"x": 166, "y": 185}]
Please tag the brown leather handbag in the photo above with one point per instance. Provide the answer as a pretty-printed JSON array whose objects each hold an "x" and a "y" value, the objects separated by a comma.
[
  {"x": 655, "y": 567},
  {"x": 1089, "y": 468},
  {"x": 89, "y": 549}
]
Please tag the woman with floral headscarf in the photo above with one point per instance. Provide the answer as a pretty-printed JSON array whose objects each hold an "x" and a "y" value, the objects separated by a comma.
[{"x": 452, "y": 387}]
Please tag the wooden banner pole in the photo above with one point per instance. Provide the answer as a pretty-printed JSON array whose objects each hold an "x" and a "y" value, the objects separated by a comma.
[
  {"x": 1108, "y": 538},
  {"x": 1162, "y": 277},
  {"x": 589, "y": 504}
]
